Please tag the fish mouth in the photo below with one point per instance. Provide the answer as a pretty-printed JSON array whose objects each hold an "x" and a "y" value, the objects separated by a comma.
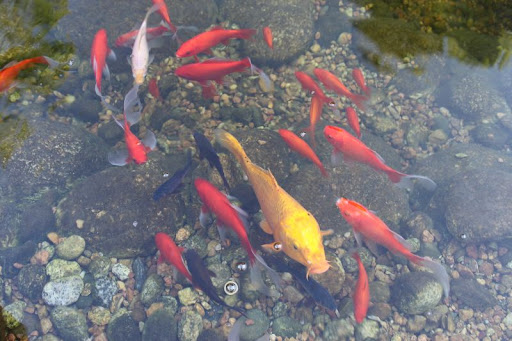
[
  {"x": 318, "y": 268},
  {"x": 139, "y": 77}
]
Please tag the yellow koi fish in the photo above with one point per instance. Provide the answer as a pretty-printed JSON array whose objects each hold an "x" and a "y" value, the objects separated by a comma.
[{"x": 292, "y": 226}]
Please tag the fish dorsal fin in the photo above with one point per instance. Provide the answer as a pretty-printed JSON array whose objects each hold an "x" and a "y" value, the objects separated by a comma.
[
  {"x": 401, "y": 239},
  {"x": 12, "y": 63}
]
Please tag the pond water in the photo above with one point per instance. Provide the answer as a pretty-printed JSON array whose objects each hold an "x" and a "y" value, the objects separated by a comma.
[{"x": 301, "y": 170}]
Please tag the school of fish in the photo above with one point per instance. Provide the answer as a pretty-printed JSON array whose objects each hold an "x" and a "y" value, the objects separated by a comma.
[{"x": 294, "y": 230}]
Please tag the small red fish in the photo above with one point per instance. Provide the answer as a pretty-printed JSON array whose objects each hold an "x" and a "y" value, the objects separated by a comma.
[
  {"x": 127, "y": 39},
  {"x": 358, "y": 76},
  {"x": 212, "y": 70},
  {"x": 171, "y": 253},
  {"x": 353, "y": 121},
  {"x": 361, "y": 296},
  {"x": 309, "y": 84},
  {"x": 370, "y": 228},
  {"x": 206, "y": 40},
  {"x": 164, "y": 13},
  {"x": 352, "y": 149},
  {"x": 153, "y": 89},
  {"x": 99, "y": 53},
  {"x": 332, "y": 83},
  {"x": 9, "y": 72},
  {"x": 267, "y": 36},
  {"x": 229, "y": 216},
  {"x": 300, "y": 146},
  {"x": 315, "y": 112}
]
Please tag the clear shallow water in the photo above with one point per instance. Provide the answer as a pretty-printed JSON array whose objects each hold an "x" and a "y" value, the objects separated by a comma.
[{"x": 439, "y": 107}]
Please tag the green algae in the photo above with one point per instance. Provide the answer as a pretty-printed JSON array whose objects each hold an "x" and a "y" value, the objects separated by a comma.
[{"x": 13, "y": 131}]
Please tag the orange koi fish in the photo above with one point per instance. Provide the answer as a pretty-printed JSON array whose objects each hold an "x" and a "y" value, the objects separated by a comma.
[
  {"x": 136, "y": 150},
  {"x": 353, "y": 121},
  {"x": 315, "y": 112},
  {"x": 352, "y": 149},
  {"x": 292, "y": 226},
  {"x": 361, "y": 296},
  {"x": 310, "y": 85},
  {"x": 332, "y": 83},
  {"x": 267, "y": 36},
  {"x": 164, "y": 13},
  {"x": 370, "y": 228},
  {"x": 171, "y": 253},
  {"x": 357, "y": 74},
  {"x": 99, "y": 53},
  {"x": 9, "y": 72},
  {"x": 206, "y": 40},
  {"x": 300, "y": 146},
  {"x": 229, "y": 216}
]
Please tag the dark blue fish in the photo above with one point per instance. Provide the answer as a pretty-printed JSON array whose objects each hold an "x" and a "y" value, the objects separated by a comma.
[
  {"x": 201, "y": 278},
  {"x": 171, "y": 185},
  {"x": 319, "y": 294},
  {"x": 206, "y": 151}
]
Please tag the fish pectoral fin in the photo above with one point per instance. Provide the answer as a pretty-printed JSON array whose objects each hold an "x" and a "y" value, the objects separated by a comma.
[
  {"x": 372, "y": 246},
  {"x": 265, "y": 226},
  {"x": 326, "y": 232},
  {"x": 274, "y": 181},
  {"x": 106, "y": 72},
  {"x": 336, "y": 157}
]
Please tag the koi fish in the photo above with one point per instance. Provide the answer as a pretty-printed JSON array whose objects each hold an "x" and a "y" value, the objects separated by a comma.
[
  {"x": 203, "y": 42},
  {"x": 164, "y": 13},
  {"x": 212, "y": 70},
  {"x": 309, "y": 84},
  {"x": 140, "y": 58},
  {"x": 267, "y": 36},
  {"x": 170, "y": 186},
  {"x": 315, "y": 112},
  {"x": 353, "y": 121},
  {"x": 171, "y": 253},
  {"x": 228, "y": 216},
  {"x": 332, "y": 83},
  {"x": 361, "y": 296},
  {"x": 136, "y": 150},
  {"x": 290, "y": 223},
  {"x": 358, "y": 76},
  {"x": 99, "y": 53},
  {"x": 352, "y": 149},
  {"x": 153, "y": 89},
  {"x": 206, "y": 151},
  {"x": 300, "y": 146},
  {"x": 201, "y": 278},
  {"x": 370, "y": 228},
  {"x": 127, "y": 39},
  {"x": 10, "y": 71}
]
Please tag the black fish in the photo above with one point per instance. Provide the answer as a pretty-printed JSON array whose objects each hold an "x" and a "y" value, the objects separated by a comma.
[
  {"x": 201, "y": 278},
  {"x": 171, "y": 185},
  {"x": 319, "y": 294},
  {"x": 207, "y": 152}
]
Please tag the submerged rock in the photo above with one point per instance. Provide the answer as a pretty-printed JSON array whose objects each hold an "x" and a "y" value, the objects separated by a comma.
[
  {"x": 160, "y": 325},
  {"x": 416, "y": 292},
  {"x": 118, "y": 214},
  {"x": 292, "y": 24},
  {"x": 285, "y": 326},
  {"x": 63, "y": 291},
  {"x": 123, "y": 327},
  {"x": 256, "y": 330},
  {"x": 190, "y": 326},
  {"x": 70, "y": 323},
  {"x": 472, "y": 294},
  {"x": 31, "y": 281}
]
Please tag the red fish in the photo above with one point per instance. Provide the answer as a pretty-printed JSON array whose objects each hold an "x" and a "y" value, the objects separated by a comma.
[
  {"x": 153, "y": 89},
  {"x": 136, "y": 150},
  {"x": 353, "y": 121},
  {"x": 361, "y": 296},
  {"x": 267, "y": 36},
  {"x": 332, "y": 83},
  {"x": 164, "y": 12},
  {"x": 357, "y": 74},
  {"x": 206, "y": 40},
  {"x": 127, "y": 39},
  {"x": 300, "y": 146},
  {"x": 315, "y": 112},
  {"x": 212, "y": 70},
  {"x": 370, "y": 228},
  {"x": 309, "y": 84},
  {"x": 352, "y": 149},
  {"x": 99, "y": 53},
  {"x": 171, "y": 253},
  {"x": 229, "y": 217},
  {"x": 9, "y": 72}
]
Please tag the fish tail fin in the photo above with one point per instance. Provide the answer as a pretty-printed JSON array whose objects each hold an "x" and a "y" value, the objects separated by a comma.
[
  {"x": 438, "y": 270},
  {"x": 132, "y": 106},
  {"x": 359, "y": 101},
  {"x": 246, "y": 33},
  {"x": 396, "y": 177},
  {"x": 229, "y": 142},
  {"x": 265, "y": 79},
  {"x": 209, "y": 90},
  {"x": 311, "y": 131},
  {"x": 406, "y": 181},
  {"x": 323, "y": 171},
  {"x": 52, "y": 63},
  {"x": 256, "y": 278}
]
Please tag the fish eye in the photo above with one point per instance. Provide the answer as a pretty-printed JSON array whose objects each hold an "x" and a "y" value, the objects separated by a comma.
[
  {"x": 278, "y": 246},
  {"x": 295, "y": 247}
]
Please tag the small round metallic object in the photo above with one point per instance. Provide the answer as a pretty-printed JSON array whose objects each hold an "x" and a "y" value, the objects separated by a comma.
[
  {"x": 241, "y": 266},
  {"x": 231, "y": 287}
]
